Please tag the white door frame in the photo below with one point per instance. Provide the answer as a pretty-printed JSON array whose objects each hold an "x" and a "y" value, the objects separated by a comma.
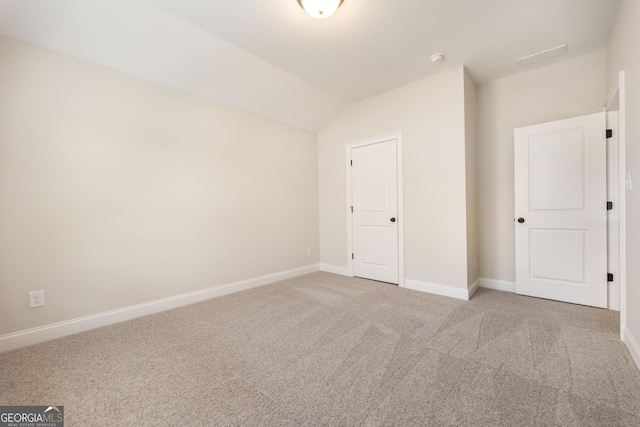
[
  {"x": 617, "y": 93},
  {"x": 400, "y": 217},
  {"x": 613, "y": 215}
]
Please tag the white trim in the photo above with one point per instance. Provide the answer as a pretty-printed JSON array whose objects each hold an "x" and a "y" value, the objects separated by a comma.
[
  {"x": 632, "y": 346},
  {"x": 623, "y": 200},
  {"x": 613, "y": 94},
  {"x": 618, "y": 90},
  {"x": 400, "y": 163},
  {"x": 57, "y": 330},
  {"x": 437, "y": 289},
  {"x": 400, "y": 168},
  {"x": 474, "y": 287},
  {"x": 498, "y": 285},
  {"x": 329, "y": 268},
  {"x": 613, "y": 195}
]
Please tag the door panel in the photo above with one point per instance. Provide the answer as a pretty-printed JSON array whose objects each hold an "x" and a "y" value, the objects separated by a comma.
[
  {"x": 374, "y": 189},
  {"x": 375, "y": 203},
  {"x": 557, "y": 171},
  {"x": 375, "y": 245},
  {"x": 560, "y": 184},
  {"x": 558, "y": 255}
]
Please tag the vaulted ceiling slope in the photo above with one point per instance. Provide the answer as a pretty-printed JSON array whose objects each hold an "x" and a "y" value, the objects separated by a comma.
[
  {"x": 138, "y": 38},
  {"x": 271, "y": 58}
]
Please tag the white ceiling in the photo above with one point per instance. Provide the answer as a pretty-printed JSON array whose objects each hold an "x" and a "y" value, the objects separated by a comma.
[
  {"x": 270, "y": 57},
  {"x": 370, "y": 46}
]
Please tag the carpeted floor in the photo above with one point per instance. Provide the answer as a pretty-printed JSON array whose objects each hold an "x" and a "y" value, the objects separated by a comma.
[{"x": 329, "y": 350}]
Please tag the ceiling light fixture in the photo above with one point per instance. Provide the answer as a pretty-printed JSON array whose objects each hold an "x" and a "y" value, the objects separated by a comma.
[
  {"x": 320, "y": 9},
  {"x": 437, "y": 58}
]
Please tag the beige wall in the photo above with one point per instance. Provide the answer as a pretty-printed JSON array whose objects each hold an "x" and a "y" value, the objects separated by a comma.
[
  {"x": 623, "y": 55},
  {"x": 471, "y": 164},
  {"x": 430, "y": 114},
  {"x": 565, "y": 89},
  {"x": 116, "y": 191}
]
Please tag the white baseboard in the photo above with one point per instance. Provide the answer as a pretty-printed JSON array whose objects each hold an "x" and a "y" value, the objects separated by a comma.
[
  {"x": 343, "y": 271},
  {"x": 474, "y": 287},
  {"x": 437, "y": 289},
  {"x": 632, "y": 345},
  {"x": 498, "y": 285},
  {"x": 56, "y": 330}
]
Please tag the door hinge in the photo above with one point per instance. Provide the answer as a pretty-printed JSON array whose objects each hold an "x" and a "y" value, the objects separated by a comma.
[
  {"x": 351, "y": 209},
  {"x": 609, "y": 206},
  {"x": 609, "y": 133},
  {"x": 352, "y": 257},
  {"x": 609, "y": 277},
  {"x": 351, "y": 162}
]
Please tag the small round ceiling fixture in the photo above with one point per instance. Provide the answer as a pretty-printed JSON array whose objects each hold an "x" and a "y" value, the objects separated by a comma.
[
  {"x": 320, "y": 9},
  {"x": 437, "y": 58}
]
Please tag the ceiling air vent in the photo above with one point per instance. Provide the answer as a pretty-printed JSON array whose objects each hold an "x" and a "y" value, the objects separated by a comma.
[{"x": 541, "y": 56}]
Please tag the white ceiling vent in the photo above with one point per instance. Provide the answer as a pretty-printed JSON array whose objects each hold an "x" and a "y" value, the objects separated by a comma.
[{"x": 541, "y": 56}]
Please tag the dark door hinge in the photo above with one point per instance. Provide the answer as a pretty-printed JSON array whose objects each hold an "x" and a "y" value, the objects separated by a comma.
[
  {"x": 609, "y": 206},
  {"x": 351, "y": 209},
  {"x": 609, "y": 133},
  {"x": 609, "y": 277},
  {"x": 352, "y": 257},
  {"x": 351, "y": 162}
]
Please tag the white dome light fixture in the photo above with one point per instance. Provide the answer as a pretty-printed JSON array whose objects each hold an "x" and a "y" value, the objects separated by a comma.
[
  {"x": 320, "y": 9},
  {"x": 437, "y": 58}
]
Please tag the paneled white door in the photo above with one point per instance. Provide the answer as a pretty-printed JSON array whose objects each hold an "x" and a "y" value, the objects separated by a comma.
[
  {"x": 561, "y": 216},
  {"x": 375, "y": 209}
]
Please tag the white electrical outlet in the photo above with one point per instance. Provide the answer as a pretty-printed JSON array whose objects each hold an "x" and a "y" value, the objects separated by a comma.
[
  {"x": 36, "y": 299},
  {"x": 308, "y": 251}
]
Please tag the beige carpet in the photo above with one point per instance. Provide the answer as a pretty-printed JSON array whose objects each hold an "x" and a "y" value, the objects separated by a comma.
[{"x": 328, "y": 350}]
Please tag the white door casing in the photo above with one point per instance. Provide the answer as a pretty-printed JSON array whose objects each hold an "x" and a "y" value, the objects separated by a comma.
[
  {"x": 616, "y": 101},
  {"x": 613, "y": 215},
  {"x": 375, "y": 219},
  {"x": 560, "y": 208}
]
